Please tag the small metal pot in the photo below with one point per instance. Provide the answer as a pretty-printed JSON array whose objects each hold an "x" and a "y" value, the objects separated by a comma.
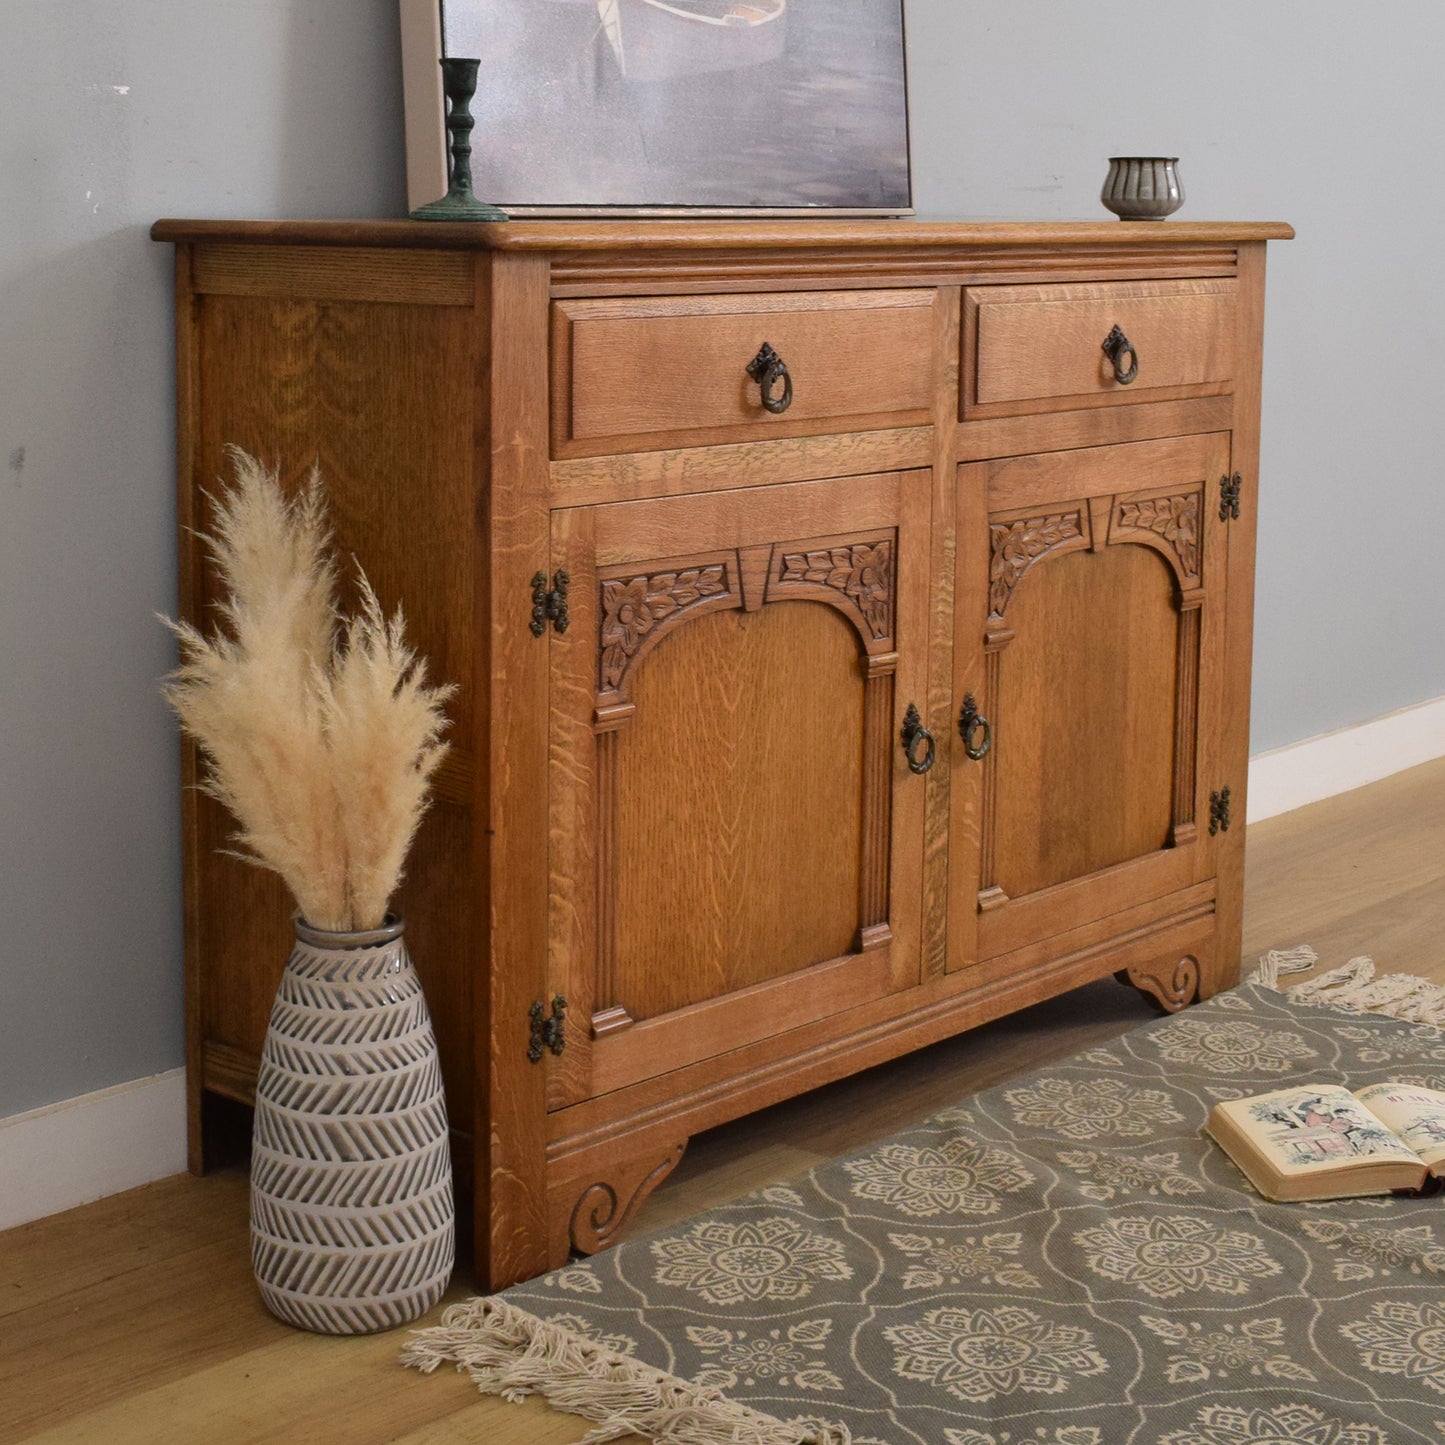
[{"x": 1142, "y": 188}]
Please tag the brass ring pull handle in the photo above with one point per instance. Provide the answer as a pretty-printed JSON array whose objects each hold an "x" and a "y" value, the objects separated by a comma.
[
  {"x": 970, "y": 723},
  {"x": 912, "y": 734},
  {"x": 767, "y": 368},
  {"x": 1116, "y": 347}
]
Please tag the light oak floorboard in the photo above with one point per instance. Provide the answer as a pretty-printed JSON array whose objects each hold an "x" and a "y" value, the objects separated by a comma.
[{"x": 134, "y": 1319}]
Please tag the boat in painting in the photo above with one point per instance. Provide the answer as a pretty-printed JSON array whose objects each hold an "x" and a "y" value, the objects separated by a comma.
[{"x": 669, "y": 39}]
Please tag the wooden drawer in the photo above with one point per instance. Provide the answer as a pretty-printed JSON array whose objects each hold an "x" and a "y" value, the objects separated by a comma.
[
  {"x": 1040, "y": 348},
  {"x": 644, "y": 374}
]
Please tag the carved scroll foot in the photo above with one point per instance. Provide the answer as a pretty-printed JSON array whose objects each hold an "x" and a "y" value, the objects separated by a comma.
[
  {"x": 1170, "y": 989},
  {"x": 605, "y": 1209}
]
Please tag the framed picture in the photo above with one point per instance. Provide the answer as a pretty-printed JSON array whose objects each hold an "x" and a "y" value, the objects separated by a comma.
[{"x": 666, "y": 107}]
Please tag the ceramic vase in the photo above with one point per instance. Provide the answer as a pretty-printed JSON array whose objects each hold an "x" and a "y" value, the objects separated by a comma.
[
  {"x": 1142, "y": 188},
  {"x": 352, "y": 1215}
]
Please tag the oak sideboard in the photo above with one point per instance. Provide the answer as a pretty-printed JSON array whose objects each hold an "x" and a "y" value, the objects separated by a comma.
[{"x": 851, "y": 624}]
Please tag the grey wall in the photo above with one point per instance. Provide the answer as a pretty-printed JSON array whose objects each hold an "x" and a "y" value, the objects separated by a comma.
[
  {"x": 1325, "y": 115},
  {"x": 114, "y": 112}
]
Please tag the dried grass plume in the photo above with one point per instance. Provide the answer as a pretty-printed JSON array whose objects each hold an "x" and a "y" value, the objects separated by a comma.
[{"x": 319, "y": 732}]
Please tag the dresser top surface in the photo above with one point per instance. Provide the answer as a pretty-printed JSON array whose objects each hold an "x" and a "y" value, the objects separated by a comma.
[{"x": 672, "y": 235}]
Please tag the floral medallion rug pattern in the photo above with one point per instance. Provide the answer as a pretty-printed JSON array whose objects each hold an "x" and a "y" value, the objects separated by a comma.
[{"x": 1063, "y": 1260}]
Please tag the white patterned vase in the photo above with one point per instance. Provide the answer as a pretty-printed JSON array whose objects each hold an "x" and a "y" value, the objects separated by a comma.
[{"x": 353, "y": 1226}]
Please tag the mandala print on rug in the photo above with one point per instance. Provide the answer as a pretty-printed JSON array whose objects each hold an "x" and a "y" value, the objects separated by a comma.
[
  {"x": 729, "y": 1264},
  {"x": 1063, "y": 1260}
]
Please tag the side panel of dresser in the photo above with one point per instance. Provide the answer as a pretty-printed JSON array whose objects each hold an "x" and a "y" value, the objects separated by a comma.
[
  {"x": 366, "y": 365},
  {"x": 418, "y": 382}
]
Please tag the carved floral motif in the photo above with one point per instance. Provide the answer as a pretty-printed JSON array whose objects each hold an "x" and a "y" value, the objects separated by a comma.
[
  {"x": 1175, "y": 519},
  {"x": 1016, "y": 545},
  {"x": 632, "y": 607},
  {"x": 862, "y": 571}
]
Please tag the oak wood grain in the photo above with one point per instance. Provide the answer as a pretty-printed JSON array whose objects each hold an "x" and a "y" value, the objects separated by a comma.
[
  {"x": 1043, "y": 479},
  {"x": 1039, "y": 348},
  {"x": 547, "y": 236},
  {"x": 672, "y": 371},
  {"x": 510, "y": 856},
  {"x": 1091, "y": 427},
  {"x": 633, "y": 476},
  {"x": 740, "y": 806},
  {"x": 377, "y": 395},
  {"x": 427, "y": 278},
  {"x": 940, "y": 845},
  {"x": 695, "y": 1096},
  {"x": 697, "y": 272},
  {"x": 1085, "y": 719},
  {"x": 1238, "y": 650}
]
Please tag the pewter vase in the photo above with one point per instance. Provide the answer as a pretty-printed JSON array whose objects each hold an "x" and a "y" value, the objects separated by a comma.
[
  {"x": 353, "y": 1225},
  {"x": 1142, "y": 188}
]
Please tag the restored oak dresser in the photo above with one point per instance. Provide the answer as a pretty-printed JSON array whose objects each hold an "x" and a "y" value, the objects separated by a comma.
[{"x": 852, "y": 630}]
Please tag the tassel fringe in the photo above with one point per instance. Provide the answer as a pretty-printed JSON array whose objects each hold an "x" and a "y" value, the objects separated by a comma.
[
  {"x": 1281, "y": 961},
  {"x": 1354, "y": 987},
  {"x": 511, "y": 1353}
]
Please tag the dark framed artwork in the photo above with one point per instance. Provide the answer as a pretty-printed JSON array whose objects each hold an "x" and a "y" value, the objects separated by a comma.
[{"x": 710, "y": 107}]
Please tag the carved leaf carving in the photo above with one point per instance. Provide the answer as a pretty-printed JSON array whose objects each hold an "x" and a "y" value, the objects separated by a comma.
[
  {"x": 1176, "y": 519},
  {"x": 1017, "y": 544},
  {"x": 862, "y": 571},
  {"x": 632, "y": 607}
]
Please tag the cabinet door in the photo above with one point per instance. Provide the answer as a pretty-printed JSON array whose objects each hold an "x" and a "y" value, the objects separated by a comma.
[
  {"x": 736, "y": 833},
  {"x": 1091, "y": 606}
]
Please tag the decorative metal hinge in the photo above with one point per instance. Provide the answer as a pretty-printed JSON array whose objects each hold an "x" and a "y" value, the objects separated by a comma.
[
  {"x": 551, "y": 604},
  {"x": 1229, "y": 497},
  {"x": 547, "y": 1032},
  {"x": 1219, "y": 812}
]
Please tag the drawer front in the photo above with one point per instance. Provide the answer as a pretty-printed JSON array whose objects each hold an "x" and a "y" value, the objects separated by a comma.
[
  {"x": 1041, "y": 348},
  {"x": 650, "y": 373}
]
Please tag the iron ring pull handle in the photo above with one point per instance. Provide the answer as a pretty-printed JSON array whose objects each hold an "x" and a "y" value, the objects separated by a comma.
[
  {"x": 1116, "y": 347},
  {"x": 767, "y": 368},
  {"x": 912, "y": 734},
  {"x": 970, "y": 723}
]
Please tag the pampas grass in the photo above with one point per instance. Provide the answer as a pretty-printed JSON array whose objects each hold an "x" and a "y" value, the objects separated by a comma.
[{"x": 319, "y": 732}]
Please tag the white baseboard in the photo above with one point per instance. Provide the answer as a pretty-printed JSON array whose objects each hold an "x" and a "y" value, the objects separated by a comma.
[
  {"x": 82, "y": 1149},
  {"x": 1305, "y": 772}
]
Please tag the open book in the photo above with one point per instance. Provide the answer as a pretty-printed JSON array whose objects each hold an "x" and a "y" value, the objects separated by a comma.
[{"x": 1324, "y": 1142}]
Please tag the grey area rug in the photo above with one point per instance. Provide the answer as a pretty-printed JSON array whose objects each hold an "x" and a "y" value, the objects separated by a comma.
[{"x": 1062, "y": 1260}]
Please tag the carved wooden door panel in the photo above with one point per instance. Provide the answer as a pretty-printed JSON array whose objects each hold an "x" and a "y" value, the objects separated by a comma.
[
  {"x": 735, "y": 831},
  {"x": 1095, "y": 583}
]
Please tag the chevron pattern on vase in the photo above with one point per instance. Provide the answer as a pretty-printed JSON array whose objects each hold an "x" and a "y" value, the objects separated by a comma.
[{"x": 353, "y": 1225}]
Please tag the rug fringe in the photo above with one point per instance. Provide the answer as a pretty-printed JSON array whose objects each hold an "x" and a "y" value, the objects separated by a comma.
[
  {"x": 1283, "y": 960},
  {"x": 1353, "y": 986},
  {"x": 511, "y": 1353}
]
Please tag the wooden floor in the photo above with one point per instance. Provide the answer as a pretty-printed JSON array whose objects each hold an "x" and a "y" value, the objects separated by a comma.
[{"x": 135, "y": 1319}]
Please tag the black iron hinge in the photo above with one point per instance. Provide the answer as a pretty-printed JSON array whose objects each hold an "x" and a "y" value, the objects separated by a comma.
[
  {"x": 551, "y": 604},
  {"x": 546, "y": 1032},
  {"x": 1219, "y": 812},
  {"x": 1229, "y": 497}
]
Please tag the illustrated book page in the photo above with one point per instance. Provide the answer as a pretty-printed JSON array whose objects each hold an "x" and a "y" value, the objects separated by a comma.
[
  {"x": 1414, "y": 1114},
  {"x": 1314, "y": 1141}
]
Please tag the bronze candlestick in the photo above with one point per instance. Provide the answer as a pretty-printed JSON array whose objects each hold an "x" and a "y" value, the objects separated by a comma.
[{"x": 459, "y": 83}]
